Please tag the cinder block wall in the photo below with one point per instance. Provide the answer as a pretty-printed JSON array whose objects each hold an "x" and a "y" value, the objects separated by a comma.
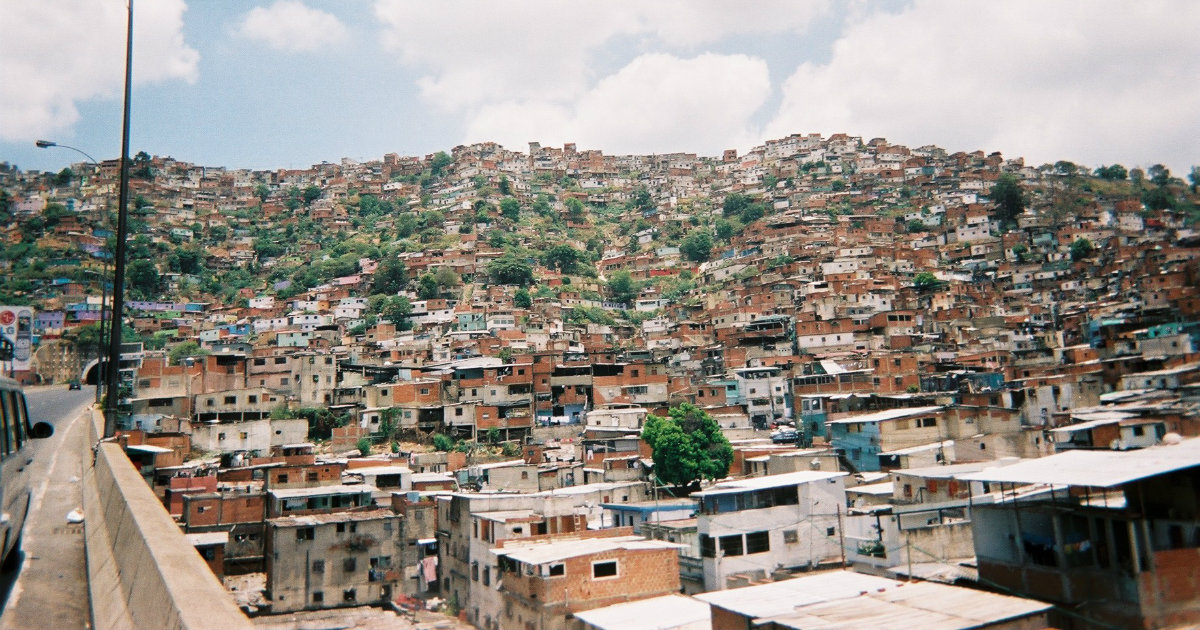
[{"x": 142, "y": 572}]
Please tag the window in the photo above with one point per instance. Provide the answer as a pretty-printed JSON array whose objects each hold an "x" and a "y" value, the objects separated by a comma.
[
  {"x": 790, "y": 537},
  {"x": 252, "y": 398},
  {"x": 220, "y": 436},
  {"x": 349, "y": 564},
  {"x": 929, "y": 422},
  {"x": 458, "y": 411},
  {"x": 557, "y": 570},
  {"x": 604, "y": 569},
  {"x": 318, "y": 566},
  {"x": 757, "y": 542},
  {"x": 283, "y": 478},
  {"x": 305, "y": 533},
  {"x": 318, "y": 597},
  {"x": 487, "y": 576},
  {"x": 708, "y": 548},
  {"x": 231, "y": 400},
  {"x": 244, "y": 435},
  {"x": 1139, "y": 431},
  {"x": 732, "y": 545},
  {"x": 349, "y": 595}
]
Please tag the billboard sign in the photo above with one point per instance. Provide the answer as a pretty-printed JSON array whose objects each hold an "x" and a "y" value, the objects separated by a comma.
[{"x": 16, "y": 336}]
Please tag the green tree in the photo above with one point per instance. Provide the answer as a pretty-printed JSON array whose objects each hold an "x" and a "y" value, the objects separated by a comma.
[
  {"x": 688, "y": 446},
  {"x": 735, "y": 203},
  {"x": 1081, "y": 248},
  {"x": 697, "y": 245},
  {"x": 64, "y": 177},
  {"x": 427, "y": 287},
  {"x": 390, "y": 276},
  {"x": 442, "y": 442},
  {"x": 437, "y": 165},
  {"x": 185, "y": 350},
  {"x": 562, "y": 257},
  {"x": 396, "y": 309},
  {"x": 725, "y": 229},
  {"x": 1159, "y": 175},
  {"x": 510, "y": 209},
  {"x": 364, "y": 446},
  {"x": 1008, "y": 197},
  {"x": 510, "y": 269},
  {"x": 915, "y": 225},
  {"x": 575, "y": 209},
  {"x": 1114, "y": 172},
  {"x": 522, "y": 299},
  {"x": 505, "y": 185},
  {"x": 142, "y": 276},
  {"x": 622, "y": 287},
  {"x": 925, "y": 280},
  {"x": 311, "y": 193},
  {"x": 262, "y": 191}
]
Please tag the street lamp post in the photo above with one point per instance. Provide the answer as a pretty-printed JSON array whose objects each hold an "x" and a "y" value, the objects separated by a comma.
[
  {"x": 113, "y": 374},
  {"x": 100, "y": 366}
]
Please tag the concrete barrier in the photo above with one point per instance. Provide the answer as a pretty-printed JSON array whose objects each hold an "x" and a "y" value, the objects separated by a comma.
[{"x": 142, "y": 572}]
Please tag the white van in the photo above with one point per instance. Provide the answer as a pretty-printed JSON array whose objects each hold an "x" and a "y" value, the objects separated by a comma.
[{"x": 16, "y": 454}]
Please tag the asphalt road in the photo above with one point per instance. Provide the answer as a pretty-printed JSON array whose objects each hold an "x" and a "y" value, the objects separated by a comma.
[{"x": 49, "y": 589}]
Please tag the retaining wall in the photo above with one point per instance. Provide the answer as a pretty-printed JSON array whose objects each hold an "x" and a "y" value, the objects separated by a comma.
[{"x": 142, "y": 572}]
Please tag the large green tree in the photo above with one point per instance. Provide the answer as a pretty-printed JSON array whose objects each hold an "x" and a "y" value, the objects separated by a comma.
[
  {"x": 510, "y": 269},
  {"x": 390, "y": 276},
  {"x": 688, "y": 446},
  {"x": 697, "y": 245},
  {"x": 622, "y": 287},
  {"x": 1008, "y": 197},
  {"x": 562, "y": 257}
]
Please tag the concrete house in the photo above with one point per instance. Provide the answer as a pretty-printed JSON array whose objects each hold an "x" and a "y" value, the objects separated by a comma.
[
  {"x": 752, "y": 527},
  {"x": 332, "y": 560}
]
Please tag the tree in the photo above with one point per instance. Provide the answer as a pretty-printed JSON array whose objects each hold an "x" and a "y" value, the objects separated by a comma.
[
  {"x": 925, "y": 280},
  {"x": 735, "y": 203},
  {"x": 725, "y": 229},
  {"x": 445, "y": 277},
  {"x": 522, "y": 299},
  {"x": 1081, "y": 248},
  {"x": 311, "y": 193},
  {"x": 390, "y": 276},
  {"x": 505, "y": 185},
  {"x": 1194, "y": 177},
  {"x": 510, "y": 269},
  {"x": 915, "y": 225},
  {"x": 510, "y": 209},
  {"x": 1114, "y": 172},
  {"x": 1008, "y": 197},
  {"x": 143, "y": 277},
  {"x": 442, "y": 442},
  {"x": 185, "y": 350},
  {"x": 1159, "y": 175},
  {"x": 622, "y": 287},
  {"x": 64, "y": 177},
  {"x": 697, "y": 245},
  {"x": 688, "y": 446},
  {"x": 262, "y": 192},
  {"x": 562, "y": 257},
  {"x": 437, "y": 166},
  {"x": 364, "y": 446},
  {"x": 396, "y": 309},
  {"x": 427, "y": 287},
  {"x": 575, "y": 209}
]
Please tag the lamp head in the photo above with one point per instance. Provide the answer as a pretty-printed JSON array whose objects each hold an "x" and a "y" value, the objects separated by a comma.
[{"x": 43, "y": 144}]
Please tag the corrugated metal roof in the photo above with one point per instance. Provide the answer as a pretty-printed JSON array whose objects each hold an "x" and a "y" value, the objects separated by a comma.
[
  {"x": 844, "y": 599},
  {"x": 889, "y": 414},
  {"x": 669, "y": 612},
  {"x": 1097, "y": 469},
  {"x": 553, "y": 551},
  {"x": 768, "y": 481}
]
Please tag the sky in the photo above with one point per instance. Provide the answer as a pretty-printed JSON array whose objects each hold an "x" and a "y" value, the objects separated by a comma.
[{"x": 290, "y": 83}]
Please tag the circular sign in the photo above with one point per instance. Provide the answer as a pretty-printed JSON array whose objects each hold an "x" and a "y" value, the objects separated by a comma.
[{"x": 7, "y": 318}]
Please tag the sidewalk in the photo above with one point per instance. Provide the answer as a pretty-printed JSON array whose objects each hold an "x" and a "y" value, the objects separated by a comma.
[{"x": 52, "y": 590}]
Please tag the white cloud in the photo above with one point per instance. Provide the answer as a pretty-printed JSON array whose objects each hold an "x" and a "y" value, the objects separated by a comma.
[
  {"x": 480, "y": 58},
  {"x": 703, "y": 104},
  {"x": 1092, "y": 82},
  {"x": 55, "y": 55},
  {"x": 290, "y": 26}
]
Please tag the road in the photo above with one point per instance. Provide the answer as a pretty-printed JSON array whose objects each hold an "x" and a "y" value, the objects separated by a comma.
[{"x": 49, "y": 590}]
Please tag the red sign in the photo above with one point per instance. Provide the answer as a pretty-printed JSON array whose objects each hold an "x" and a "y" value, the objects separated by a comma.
[{"x": 7, "y": 318}]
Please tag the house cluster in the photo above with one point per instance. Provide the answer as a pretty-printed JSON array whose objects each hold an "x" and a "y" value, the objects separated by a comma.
[{"x": 930, "y": 369}]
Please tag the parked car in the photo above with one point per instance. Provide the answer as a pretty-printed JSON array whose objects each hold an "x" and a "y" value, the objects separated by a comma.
[
  {"x": 16, "y": 453},
  {"x": 785, "y": 436},
  {"x": 75, "y": 385}
]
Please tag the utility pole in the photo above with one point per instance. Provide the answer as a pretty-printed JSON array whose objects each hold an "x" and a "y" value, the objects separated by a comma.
[{"x": 113, "y": 373}]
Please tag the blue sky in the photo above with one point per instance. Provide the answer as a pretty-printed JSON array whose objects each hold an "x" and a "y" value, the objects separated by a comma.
[{"x": 290, "y": 83}]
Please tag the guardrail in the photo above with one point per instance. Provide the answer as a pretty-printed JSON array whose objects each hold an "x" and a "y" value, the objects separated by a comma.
[{"x": 142, "y": 572}]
